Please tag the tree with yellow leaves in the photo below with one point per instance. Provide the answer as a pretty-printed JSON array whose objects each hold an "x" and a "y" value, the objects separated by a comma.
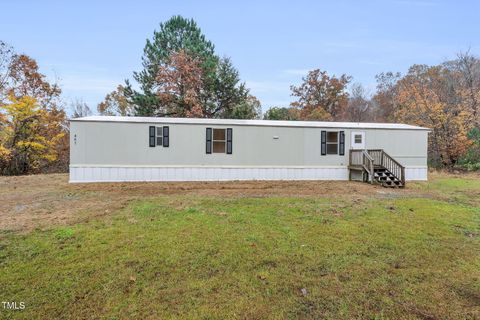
[
  {"x": 26, "y": 140},
  {"x": 21, "y": 81}
]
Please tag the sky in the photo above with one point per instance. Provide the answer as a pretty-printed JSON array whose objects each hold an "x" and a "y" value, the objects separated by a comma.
[{"x": 92, "y": 46}]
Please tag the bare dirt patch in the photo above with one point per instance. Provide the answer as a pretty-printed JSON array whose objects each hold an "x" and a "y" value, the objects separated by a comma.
[{"x": 39, "y": 201}]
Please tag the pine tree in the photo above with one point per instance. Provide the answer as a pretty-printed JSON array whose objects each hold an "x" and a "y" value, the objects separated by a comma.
[
  {"x": 179, "y": 47},
  {"x": 175, "y": 35}
]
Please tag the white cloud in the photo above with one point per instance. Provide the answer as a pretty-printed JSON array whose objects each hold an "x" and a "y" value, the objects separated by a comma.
[
  {"x": 83, "y": 78},
  {"x": 296, "y": 72},
  {"x": 271, "y": 92},
  {"x": 88, "y": 83}
]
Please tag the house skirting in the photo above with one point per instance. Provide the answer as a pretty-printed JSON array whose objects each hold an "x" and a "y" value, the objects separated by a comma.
[
  {"x": 416, "y": 173},
  {"x": 104, "y": 173}
]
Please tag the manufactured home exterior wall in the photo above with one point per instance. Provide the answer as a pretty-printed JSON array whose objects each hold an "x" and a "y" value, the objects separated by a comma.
[{"x": 119, "y": 151}]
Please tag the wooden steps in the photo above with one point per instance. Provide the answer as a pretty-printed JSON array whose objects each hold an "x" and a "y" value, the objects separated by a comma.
[
  {"x": 376, "y": 166},
  {"x": 386, "y": 178}
]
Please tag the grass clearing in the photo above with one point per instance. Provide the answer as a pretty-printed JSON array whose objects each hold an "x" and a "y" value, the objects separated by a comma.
[{"x": 412, "y": 255}]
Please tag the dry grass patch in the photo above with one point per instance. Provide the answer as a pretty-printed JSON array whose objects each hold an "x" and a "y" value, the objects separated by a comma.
[{"x": 42, "y": 201}]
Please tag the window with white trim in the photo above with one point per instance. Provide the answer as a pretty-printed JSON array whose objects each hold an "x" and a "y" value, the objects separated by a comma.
[
  {"x": 358, "y": 138},
  {"x": 332, "y": 142},
  {"x": 159, "y": 137},
  {"x": 219, "y": 140}
]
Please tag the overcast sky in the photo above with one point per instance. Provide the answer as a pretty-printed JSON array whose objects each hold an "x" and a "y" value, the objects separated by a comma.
[{"x": 92, "y": 46}]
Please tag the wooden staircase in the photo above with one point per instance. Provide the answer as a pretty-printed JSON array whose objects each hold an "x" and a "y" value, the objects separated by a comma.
[{"x": 376, "y": 166}]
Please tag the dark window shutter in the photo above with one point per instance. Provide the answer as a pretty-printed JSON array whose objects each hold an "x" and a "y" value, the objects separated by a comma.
[
  {"x": 341, "y": 147},
  {"x": 166, "y": 137},
  {"x": 151, "y": 139},
  {"x": 209, "y": 141},
  {"x": 323, "y": 148},
  {"x": 229, "y": 140}
]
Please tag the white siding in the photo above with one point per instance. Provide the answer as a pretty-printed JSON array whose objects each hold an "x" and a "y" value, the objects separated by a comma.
[
  {"x": 118, "y": 144},
  {"x": 119, "y": 151}
]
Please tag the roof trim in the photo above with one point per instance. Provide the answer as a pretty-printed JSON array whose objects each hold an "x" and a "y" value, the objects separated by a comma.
[{"x": 237, "y": 122}]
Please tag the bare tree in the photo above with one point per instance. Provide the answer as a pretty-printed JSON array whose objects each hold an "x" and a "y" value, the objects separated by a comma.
[
  {"x": 360, "y": 107},
  {"x": 6, "y": 57},
  {"x": 80, "y": 109},
  {"x": 469, "y": 69},
  {"x": 385, "y": 99}
]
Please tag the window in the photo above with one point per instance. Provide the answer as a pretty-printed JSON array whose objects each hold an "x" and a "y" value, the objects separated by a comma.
[
  {"x": 358, "y": 138},
  {"x": 332, "y": 142},
  {"x": 159, "y": 136},
  {"x": 219, "y": 140}
]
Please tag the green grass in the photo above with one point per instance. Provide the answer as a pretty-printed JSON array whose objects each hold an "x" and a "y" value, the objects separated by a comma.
[
  {"x": 453, "y": 190},
  {"x": 201, "y": 257}
]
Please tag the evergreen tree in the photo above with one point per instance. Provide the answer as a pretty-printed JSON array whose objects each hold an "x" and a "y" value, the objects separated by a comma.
[
  {"x": 281, "y": 113},
  {"x": 220, "y": 94},
  {"x": 227, "y": 92},
  {"x": 177, "y": 34}
]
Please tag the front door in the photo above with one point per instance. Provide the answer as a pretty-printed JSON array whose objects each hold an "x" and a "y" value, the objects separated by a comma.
[{"x": 358, "y": 140}]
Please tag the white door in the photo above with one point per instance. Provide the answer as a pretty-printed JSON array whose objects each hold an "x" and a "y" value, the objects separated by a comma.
[{"x": 358, "y": 140}]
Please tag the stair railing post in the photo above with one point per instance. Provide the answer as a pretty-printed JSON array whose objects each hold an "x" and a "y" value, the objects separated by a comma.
[{"x": 371, "y": 172}]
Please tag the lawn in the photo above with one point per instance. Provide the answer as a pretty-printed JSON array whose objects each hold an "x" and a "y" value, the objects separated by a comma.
[{"x": 183, "y": 252}]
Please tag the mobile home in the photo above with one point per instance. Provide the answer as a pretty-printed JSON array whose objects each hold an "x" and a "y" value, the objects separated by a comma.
[{"x": 104, "y": 148}]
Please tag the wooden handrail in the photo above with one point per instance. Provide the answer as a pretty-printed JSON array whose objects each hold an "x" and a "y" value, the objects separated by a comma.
[
  {"x": 368, "y": 164},
  {"x": 368, "y": 159},
  {"x": 362, "y": 159},
  {"x": 383, "y": 159}
]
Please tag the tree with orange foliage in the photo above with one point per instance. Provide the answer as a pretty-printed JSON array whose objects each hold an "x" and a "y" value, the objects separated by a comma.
[
  {"x": 20, "y": 78},
  {"x": 426, "y": 97},
  {"x": 24, "y": 79},
  {"x": 116, "y": 103},
  {"x": 179, "y": 85},
  {"x": 321, "y": 97}
]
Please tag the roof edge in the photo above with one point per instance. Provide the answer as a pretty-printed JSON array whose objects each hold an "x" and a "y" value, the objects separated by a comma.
[{"x": 242, "y": 122}]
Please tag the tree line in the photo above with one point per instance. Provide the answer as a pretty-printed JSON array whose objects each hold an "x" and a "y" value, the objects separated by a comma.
[
  {"x": 183, "y": 76},
  {"x": 444, "y": 98}
]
